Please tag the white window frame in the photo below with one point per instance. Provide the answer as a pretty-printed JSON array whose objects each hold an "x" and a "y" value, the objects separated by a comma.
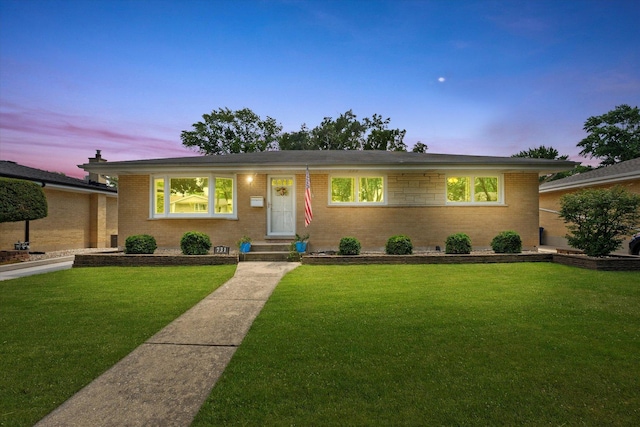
[
  {"x": 210, "y": 213},
  {"x": 356, "y": 177},
  {"x": 472, "y": 176}
]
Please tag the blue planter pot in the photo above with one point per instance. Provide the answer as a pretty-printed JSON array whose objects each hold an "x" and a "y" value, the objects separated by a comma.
[
  {"x": 301, "y": 247},
  {"x": 245, "y": 247}
]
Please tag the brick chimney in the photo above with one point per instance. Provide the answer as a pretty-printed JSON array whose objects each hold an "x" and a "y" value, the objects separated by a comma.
[{"x": 94, "y": 176}]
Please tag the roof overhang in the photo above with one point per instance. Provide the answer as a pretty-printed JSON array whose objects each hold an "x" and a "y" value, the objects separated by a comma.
[
  {"x": 551, "y": 187},
  {"x": 295, "y": 161}
]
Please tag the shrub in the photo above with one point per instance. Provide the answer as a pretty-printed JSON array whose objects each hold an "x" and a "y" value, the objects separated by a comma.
[
  {"x": 140, "y": 244},
  {"x": 598, "y": 219},
  {"x": 458, "y": 243},
  {"x": 195, "y": 243},
  {"x": 349, "y": 246},
  {"x": 507, "y": 242},
  {"x": 399, "y": 245}
]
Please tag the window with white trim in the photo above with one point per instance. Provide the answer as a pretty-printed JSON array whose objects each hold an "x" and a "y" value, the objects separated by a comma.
[
  {"x": 362, "y": 190},
  {"x": 474, "y": 189},
  {"x": 183, "y": 196}
]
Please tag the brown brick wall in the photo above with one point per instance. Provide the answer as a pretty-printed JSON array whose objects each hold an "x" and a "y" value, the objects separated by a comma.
[
  {"x": 427, "y": 226},
  {"x": 67, "y": 226},
  {"x": 554, "y": 226}
]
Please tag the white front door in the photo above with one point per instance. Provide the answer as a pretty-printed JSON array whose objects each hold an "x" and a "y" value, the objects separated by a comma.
[{"x": 281, "y": 212}]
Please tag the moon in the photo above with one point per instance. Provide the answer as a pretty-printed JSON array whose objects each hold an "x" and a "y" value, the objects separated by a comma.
[{"x": 441, "y": 79}]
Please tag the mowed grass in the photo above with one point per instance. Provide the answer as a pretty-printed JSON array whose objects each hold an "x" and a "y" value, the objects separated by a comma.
[
  {"x": 465, "y": 345},
  {"x": 59, "y": 331}
]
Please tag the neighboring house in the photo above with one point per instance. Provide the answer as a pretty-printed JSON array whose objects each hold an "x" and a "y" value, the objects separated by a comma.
[
  {"x": 625, "y": 174},
  {"x": 82, "y": 214},
  {"x": 370, "y": 195}
]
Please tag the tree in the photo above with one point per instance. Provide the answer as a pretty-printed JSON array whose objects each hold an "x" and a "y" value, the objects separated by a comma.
[
  {"x": 380, "y": 137},
  {"x": 419, "y": 147},
  {"x": 300, "y": 140},
  {"x": 598, "y": 219},
  {"x": 343, "y": 133},
  {"x": 225, "y": 131},
  {"x": 551, "y": 153},
  {"x": 21, "y": 200},
  {"x": 541, "y": 152},
  {"x": 614, "y": 136},
  {"x": 348, "y": 133}
]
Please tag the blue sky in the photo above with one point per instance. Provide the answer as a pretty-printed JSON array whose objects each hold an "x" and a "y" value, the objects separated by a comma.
[{"x": 463, "y": 77}]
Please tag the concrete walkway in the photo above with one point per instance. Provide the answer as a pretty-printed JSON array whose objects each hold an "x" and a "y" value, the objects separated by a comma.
[
  {"x": 29, "y": 268},
  {"x": 165, "y": 381}
]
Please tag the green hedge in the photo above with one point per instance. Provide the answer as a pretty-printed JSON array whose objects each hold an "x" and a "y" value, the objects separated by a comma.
[
  {"x": 399, "y": 245},
  {"x": 507, "y": 242},
  {"x": 140, "y": 244},
  {"x": 349, "y": 246},
  {"x": 459, "y": 243},
  {"x": 195, "y": 243},
  {"x": 21, "y": 200}
]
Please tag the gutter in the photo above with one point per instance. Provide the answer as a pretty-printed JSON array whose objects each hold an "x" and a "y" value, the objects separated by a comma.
[{"x": 586, "y": 182}]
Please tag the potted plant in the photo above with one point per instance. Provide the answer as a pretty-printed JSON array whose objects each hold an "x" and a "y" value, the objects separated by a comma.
[
  {"x": 301, "y": 243},
  {"x": 244, "y": 244}
]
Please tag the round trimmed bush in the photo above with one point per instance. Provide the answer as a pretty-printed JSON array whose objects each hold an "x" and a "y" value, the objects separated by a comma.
[
  {"x": 349, "y": 246},
  {"x": 140, "y": 244},
  {"x": 458, "y": 243},
  {"x": 399, "y": 245},
  {"x": 507, "y": 242},
  {"x": 195, "y": 243}
]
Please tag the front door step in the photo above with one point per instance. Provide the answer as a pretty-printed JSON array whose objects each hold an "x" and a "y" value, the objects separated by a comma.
[{"x": 267, "y": 252}]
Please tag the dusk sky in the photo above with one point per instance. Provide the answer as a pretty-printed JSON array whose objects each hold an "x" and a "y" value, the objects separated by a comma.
[{"x": 463, "y": 77}]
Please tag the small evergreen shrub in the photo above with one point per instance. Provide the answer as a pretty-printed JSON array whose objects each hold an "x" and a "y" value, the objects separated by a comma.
[
  {"x": 140, "y": 244},
  {"x": 507, "y": 242},
  {"x": 195, "y": 243},
  {"x": 399, "y": 245},
  {"x": 349, "y": 246},
  {"x": 458, "y": 243}
]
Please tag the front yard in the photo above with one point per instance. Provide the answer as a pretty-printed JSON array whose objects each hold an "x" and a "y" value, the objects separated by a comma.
[
  {"x": 499, "y": 344},
  {"x": 59, "y": 331},
  {"x": 482, "y": 344}
]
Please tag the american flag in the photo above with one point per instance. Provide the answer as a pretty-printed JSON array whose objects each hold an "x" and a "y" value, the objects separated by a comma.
[{"x": 308, "y": 212}]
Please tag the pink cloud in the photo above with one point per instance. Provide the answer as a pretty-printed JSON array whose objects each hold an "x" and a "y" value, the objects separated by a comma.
[{"x": 58, "y": 142}]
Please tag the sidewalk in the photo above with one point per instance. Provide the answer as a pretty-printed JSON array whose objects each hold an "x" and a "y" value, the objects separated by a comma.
[
  {"x": 166, "y": 380},
  {"x": 29, "y": 268}
]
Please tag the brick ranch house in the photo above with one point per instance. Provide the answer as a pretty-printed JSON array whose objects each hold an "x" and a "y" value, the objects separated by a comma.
[
  {"x": 82, "y": 214},
  {"x": 625, "y": 174},
  {"x": 370, "y": 195}
]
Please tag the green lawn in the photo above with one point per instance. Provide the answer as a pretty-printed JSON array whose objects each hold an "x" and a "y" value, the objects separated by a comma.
[
  {"x": 58, "y": 331},
  {"x": 496, "y": 344}
]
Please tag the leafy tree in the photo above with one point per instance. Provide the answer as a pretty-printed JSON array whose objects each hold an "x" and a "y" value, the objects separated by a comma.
[
  {"x": 348, "y": 133},
  {"x": 551, "y": 153},
  {"x": 419, "y": 147},
  {"x": 598, "y": 219},
  {"x": 300, "y": 140},
  {"x": 225, "y": 131},
  {"x": 541, "y": 152},
  {"x": 380, "y": 137},
  {"x": 343, "y": 133},
  {"x": 21, "y": 200},
  {"x": 614, "y": 136}
]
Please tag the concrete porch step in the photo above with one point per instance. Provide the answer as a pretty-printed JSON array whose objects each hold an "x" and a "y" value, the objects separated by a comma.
[
  {"x": 270, "y": 247},
  {"x": 264, "y": 256}
]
